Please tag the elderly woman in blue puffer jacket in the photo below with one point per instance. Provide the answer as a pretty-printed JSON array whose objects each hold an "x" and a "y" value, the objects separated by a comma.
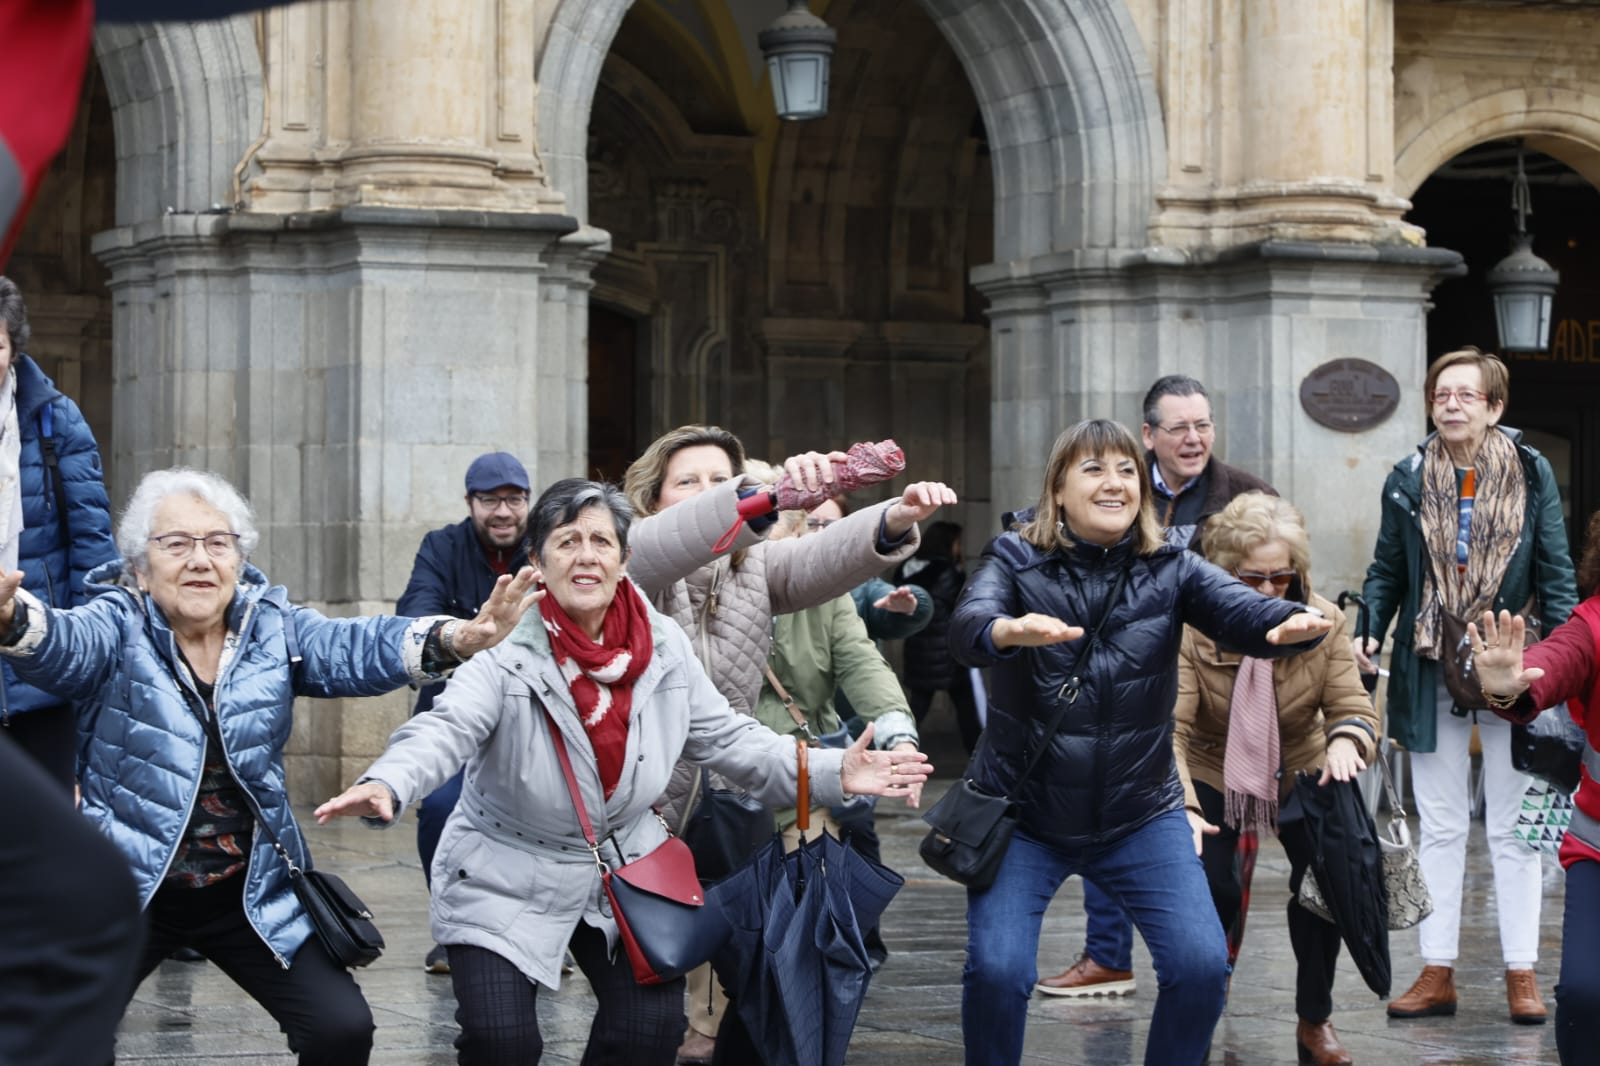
[
  {"x": 1106, "y": 801},
  {"x": 187, "y": 664}
]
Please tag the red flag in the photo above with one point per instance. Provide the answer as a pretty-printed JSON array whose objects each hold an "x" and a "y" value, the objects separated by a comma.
[{"x": 46, "y": 47}]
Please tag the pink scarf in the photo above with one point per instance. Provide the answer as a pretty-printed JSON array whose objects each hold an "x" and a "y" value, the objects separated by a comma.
[{"x": 1250, "y": 763}]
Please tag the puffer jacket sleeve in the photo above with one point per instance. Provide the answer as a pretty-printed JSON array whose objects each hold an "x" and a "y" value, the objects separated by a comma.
[
  {"x": 676, "y": 541},
  {"x": 1347, "y": 710},
  {"x": 746, "y": 752},
  {"x": 1230, "y": 612},
  {"x": 1388, "y": 574},
  {"x": 88, "y": 507},
  {"x": 429, "y": 747},
  {"x": 884, "y": 624},
  {"x": 71, "y": 653},
  {"x": 805, "y": 571},
  {"x": 359, "y": 656},
  {"x": 990, "y": 594}
]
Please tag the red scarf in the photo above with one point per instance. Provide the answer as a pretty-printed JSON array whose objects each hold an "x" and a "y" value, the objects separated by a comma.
[{"x": 601, "y": 675}]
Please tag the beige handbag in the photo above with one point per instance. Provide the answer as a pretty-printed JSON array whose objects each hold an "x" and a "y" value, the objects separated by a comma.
[{"x": 1409, "y": 901}]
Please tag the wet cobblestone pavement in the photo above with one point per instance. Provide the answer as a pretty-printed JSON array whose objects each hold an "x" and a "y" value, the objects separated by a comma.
[{"x": 190, "y": 1013}]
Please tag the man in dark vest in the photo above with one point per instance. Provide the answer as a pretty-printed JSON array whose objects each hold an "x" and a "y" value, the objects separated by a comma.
[
  {"x": 454, "y": 573},
  {"x": 1190, "y": 486}
]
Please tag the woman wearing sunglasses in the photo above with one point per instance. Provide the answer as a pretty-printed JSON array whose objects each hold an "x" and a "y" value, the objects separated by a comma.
[
  {"x": 1472, "y": 522},
  {"x": 1240, "y": 719}
]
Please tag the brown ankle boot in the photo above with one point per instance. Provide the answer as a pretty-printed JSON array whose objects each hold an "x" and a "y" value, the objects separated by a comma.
[
  {"x": 1318, "y": 1045},
  {"x": 1433, "y": 993},
  {"x": 1522, "y": 994}
]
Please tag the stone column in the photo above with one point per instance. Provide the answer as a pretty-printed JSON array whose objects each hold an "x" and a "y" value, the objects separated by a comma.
[{"x": 1072, "y": 340}]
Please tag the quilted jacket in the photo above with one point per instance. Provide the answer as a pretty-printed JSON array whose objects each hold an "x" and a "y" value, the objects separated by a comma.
[
  {"x": 513, "y": 873},
  {"x": 727, "y": 609},
  {"x": 56, "y": 559},
  {"x": 1109, "y": 769},
  {"x": 1319, "y": 698},
  {"x": 144, "y": 744}
]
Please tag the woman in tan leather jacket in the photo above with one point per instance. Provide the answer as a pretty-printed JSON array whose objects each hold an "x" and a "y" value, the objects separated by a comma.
[{"x": 1241, "y": 721}]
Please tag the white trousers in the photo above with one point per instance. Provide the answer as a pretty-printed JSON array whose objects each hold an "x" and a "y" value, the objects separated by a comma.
[{"x": 1439, "y": 782}]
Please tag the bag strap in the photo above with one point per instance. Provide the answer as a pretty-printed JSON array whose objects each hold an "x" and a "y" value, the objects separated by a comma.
[
  {"x": 52, "y": 467},
  {"x": 560, "y": 743},
  {"x": 802, "y": 791},
  {"x": 789, "y": 704},
  {"x": 1070, "y": 689}
]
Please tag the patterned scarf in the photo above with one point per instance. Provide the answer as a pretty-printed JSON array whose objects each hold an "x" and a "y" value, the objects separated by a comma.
[
  {"x": 601, "y": 674},
  {"x": 1251, "y": 760},
  {"x": 1497, "y": 511}
]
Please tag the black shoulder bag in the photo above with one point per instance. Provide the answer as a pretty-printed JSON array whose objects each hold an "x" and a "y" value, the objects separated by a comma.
[
  {"x": 972, "y": 829},
  {"x": 343, "y": 923}
]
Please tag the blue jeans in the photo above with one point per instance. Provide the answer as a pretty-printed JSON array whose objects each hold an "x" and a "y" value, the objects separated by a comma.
[
  {"x": 1108, "y": 934},
  {"x": 1578, "y": 987},
  {"x": 1154, "y": 873},
  {"x": 431, "y": 815}
]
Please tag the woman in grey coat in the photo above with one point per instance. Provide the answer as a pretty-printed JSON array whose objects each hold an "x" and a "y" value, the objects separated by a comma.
[{"x": 514, "y": 883}]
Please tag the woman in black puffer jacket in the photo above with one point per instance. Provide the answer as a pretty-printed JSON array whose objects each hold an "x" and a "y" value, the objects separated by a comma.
[
  {"x": 928, "y": 667},
  {"x": 1105, "y": 801}
]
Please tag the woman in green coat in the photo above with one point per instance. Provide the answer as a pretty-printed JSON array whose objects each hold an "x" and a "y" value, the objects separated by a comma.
[{"x": 1471, "y": 522}]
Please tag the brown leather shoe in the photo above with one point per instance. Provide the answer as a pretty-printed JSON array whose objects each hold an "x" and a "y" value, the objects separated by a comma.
[
  {"x": 1318, "y": 1045},
  {"x": 1088, "y": 978},
  {"x": 1433, "y": 993},
  {"x": 1522, "y": 994}
]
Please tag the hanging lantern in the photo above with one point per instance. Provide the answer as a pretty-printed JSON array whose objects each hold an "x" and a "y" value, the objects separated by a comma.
[
  {"x": 1523, "y": 285},
  {"x": 798, "y": 48}
]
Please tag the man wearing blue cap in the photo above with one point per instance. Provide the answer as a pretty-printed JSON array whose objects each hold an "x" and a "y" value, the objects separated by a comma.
[{"x": 454, "y": 572}]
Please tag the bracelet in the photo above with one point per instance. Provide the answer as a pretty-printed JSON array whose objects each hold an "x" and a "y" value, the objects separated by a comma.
[
  {"x": 1500, "y": 703},
  {"x": 447, "y": 638}
]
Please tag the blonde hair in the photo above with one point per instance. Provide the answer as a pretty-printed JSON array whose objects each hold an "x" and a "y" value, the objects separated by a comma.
[
  {"x": 645, "y": 474},
  {"x": 790, "y": 523},
  {"x": 1250, "y": 520},
  {"x": 1093, "y": 437}
]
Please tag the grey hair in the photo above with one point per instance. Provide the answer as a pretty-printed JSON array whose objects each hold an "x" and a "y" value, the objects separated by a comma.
[
  {"x": 133, "y": 531},
  {"x": 1171, "y": 385},
  {"x": 562, "y": 502},
  {"x": 14, "y": 315}
]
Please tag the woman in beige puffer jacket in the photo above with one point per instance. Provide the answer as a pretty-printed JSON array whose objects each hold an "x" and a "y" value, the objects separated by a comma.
[
  {"x": 1324, "y": 722},
  {"x": 714, "y": 573}
]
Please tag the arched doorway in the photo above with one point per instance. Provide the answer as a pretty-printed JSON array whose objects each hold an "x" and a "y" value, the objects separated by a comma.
[{"x": 1465, "y": 205}]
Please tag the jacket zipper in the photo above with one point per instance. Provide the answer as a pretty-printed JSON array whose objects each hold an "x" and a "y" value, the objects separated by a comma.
[{"x": 227, "y": 761}]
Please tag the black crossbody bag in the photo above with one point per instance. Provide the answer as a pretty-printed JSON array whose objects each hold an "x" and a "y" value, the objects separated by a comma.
[{"x": 972, "y": 829}]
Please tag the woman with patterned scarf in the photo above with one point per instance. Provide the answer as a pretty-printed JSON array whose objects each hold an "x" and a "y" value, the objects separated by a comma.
[
  {"x": 1471, "y": 522},
  {"x": 514, "y": 883},
  {"x": 1245, "y": 726}
]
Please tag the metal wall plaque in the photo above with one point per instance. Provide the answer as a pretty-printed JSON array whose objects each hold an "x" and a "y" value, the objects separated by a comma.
[{"x": 1349, "y": 395}]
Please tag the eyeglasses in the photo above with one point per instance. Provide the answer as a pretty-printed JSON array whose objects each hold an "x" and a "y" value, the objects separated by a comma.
[
  {"x": 517, "y": 501},
  {"x": 1183, "y": 429},
  {"x": 815, "y": 524},
  {"x": 1464, "y": 397},
  {"x": 181, "y": 545},
  {"x": 1279, "y": 578}
]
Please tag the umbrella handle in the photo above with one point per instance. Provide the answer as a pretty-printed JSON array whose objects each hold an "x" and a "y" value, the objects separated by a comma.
[{"x": 802, "y": 795}]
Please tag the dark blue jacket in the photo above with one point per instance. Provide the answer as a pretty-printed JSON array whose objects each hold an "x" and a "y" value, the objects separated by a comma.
[
  {"x": 55, "y": 560},
  {"x": 451, "y": 576},
  {"x": 1109, "y": 769}
]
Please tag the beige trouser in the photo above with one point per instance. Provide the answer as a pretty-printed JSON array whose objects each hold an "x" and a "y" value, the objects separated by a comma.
[{"x": 706, "y": 999}]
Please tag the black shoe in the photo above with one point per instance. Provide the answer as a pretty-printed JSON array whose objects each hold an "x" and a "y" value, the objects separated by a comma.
[
  {"x": 438, "y": 960},
  {"x": 187, "y": 955}
]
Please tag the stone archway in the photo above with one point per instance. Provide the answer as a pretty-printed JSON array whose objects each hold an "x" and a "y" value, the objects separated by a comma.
[
  {"x": 1066, "y": 92},
  {"x": 1562, "y": 124}
]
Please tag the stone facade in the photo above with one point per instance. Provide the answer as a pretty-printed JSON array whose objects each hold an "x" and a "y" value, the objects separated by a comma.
[{"x": 341, "y": 253}]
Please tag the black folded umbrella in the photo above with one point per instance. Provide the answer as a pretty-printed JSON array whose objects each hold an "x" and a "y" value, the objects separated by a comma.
[
  {"x": 1348, "y": 866},
  {"x": 796, "y": 966}
]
